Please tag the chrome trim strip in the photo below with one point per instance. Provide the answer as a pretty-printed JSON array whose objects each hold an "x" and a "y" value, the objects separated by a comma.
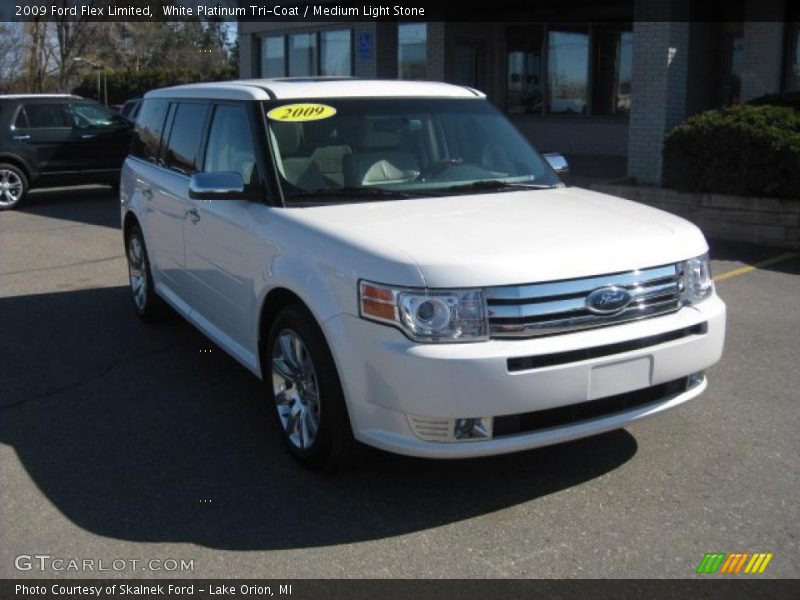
[
  {"x": 542, "y": 309},
  {"x": 526, "y": 330},
  {"x": 560, "y": 307},
  {"x": 641, "y": 277}
]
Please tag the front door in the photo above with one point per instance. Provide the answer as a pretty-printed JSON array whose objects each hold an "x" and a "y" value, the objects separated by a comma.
[
  {"x": 104, "y": 135},
  {"x": 223, "y": 255}
]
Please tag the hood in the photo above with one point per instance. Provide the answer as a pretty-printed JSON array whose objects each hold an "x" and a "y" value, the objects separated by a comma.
[{"x": 515, "y": 236}]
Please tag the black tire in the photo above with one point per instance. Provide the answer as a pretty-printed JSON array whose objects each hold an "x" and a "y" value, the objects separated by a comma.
[
  {"x": 14, "y": 186},
  {"x": 148, "y": 305},
  {"x": 333, "y": 446}
]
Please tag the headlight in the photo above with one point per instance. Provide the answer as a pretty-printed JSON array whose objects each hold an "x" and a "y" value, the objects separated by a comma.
[
  {"x": 427, "y": 315},
  {"x": 696, "y": 279}
]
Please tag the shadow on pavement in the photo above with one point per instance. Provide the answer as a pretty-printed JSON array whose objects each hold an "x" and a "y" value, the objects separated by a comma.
[
  {"x": 134, "y": 432},
  {"x": 93, "y": 205}
]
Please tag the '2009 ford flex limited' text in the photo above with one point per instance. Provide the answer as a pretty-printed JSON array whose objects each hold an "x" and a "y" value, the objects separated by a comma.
[{"x": 403, "y": 270}]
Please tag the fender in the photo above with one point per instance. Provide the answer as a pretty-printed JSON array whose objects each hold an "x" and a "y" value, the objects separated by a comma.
[{"x": 26, "y": 166}]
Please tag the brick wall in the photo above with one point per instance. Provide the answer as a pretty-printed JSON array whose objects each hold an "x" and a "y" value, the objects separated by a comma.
[
  {"x": 770, "y": 221},
  {"x": 658, "y": 103}
]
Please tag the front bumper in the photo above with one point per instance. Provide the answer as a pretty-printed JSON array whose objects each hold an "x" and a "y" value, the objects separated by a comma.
[{"x": 387, "y": 379}]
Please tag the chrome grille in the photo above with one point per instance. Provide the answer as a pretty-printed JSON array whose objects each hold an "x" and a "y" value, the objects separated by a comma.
[{"x": 560, "y": 306}]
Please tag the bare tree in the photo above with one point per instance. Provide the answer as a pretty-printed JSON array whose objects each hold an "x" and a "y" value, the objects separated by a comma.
[
  {"x": 39, "y": 54},
  {"x": 73, "y": 39},
  {"x": 11, "y": 56}
]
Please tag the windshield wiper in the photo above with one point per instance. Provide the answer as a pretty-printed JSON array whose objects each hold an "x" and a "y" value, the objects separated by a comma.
[
  {"x": 356, "y": 193},
  {"x": 496, "y": 184}
]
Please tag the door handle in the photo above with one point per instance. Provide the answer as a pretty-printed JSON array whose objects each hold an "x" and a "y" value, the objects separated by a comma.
[
  {"x": 193, "y": 214},
  {"x": 147, "y": 194},
  {"x": 87, "y": 136},
  {"x": 22, "y": 137}
]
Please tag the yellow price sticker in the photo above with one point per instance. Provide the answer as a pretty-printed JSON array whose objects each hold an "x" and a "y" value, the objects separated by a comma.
[{"x": 294, "y": 113}]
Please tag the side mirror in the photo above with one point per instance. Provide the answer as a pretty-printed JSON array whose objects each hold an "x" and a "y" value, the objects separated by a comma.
[
  {"x": 224, "y": 185},
  {"x": 557, "y": 162}
]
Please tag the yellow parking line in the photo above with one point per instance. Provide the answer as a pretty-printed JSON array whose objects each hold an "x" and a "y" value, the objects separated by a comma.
[{"x": 758, "y": 265}]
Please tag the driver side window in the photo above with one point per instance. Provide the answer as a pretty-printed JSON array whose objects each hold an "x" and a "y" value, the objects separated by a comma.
[{"x": 91, "y": 115}]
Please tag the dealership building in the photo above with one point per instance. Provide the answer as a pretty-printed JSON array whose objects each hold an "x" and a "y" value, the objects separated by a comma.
[{"x": 605, "y": 82}]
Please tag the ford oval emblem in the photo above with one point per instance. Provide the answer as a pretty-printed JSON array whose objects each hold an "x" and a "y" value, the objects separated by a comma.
[{"x": 608, "y": 300}]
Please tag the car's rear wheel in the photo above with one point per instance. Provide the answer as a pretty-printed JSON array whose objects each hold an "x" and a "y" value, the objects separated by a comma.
[
  {"x": 306, "y": 392},
  {"x": 149, "y": 305},
  {"x": 13, "y": 186}
]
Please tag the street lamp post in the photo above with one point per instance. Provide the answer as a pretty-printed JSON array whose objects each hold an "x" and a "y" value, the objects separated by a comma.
[{"x": 97, "y": 67}]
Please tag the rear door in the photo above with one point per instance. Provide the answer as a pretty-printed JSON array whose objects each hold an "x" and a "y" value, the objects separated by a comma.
[
  {"x": 50, "y": 137},
  {"x": 178, "y": 159},
  {"x": 163, "y": 211}
]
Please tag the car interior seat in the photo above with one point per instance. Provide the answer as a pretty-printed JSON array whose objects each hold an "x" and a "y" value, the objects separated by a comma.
[{"x": 382, "y": 156}]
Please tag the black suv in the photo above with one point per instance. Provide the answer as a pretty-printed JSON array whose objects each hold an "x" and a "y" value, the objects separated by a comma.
[{"x": 48, "y": 140}]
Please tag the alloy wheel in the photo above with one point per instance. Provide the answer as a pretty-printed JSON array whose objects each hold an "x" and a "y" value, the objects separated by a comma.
[
  {"x": 137, "y": 271},
  {"x": 10, "y": 187},
  {"x": 296, "y": 389}
]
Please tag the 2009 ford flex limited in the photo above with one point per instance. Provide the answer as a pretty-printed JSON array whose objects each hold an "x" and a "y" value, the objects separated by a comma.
[{"x": 404, "y": 271}]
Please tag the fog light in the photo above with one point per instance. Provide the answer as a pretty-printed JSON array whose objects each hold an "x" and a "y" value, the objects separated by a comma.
[
  {"x": 471, "y": 429},
  {"x": 695, "y": 379},
  {"x": 451, "y": 430}
]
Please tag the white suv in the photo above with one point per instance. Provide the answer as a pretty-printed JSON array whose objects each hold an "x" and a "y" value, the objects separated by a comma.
[{"x": 403, "y": 270}]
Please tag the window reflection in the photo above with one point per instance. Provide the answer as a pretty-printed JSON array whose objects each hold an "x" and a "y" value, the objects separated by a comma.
[
  {"x": 302, "y": 55},
  {"x": 568, "y": 71},
  {"x": 793, "y": 66},
  {"x": 613, "y": 60},
  {"x": 524, "y": 87},
  {"x": 335, "y": 50},
  {"x": 273, "y": 57},
  {"x": 412, "y": 43}
]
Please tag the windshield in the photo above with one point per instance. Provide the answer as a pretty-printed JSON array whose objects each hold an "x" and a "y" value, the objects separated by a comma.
[{"x": 346, "y": 150}]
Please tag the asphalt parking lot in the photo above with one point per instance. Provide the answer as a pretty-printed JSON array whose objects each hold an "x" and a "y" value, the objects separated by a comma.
[{"x": 120, "y": 440}]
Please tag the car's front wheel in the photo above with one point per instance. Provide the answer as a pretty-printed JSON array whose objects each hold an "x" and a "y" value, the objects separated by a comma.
[
  {"x": 306, "y": 392},
  {"x": 13, "y": 186}
]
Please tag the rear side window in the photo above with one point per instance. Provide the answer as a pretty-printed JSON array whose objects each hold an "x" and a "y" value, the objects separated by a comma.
[
  {"x": 183, "y": 149},
  {"x": 149, "y": 127},
  {"x": 21, "y": 121},
  {"x": 47, "y": 116}
]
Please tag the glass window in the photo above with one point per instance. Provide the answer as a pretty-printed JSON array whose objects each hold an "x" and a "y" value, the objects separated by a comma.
[
  {"x": 467, "y": 65},
  {"x": 412, "y": 45},
  {"x": 273, "y": 57},
  {"x": 302, "y": 55},
  {"x": 384, "y": 148},
  {"x": 613, "y": 62},
  {"x": 525, "y": 84},
  {"x": 183, "y": 147},
  {"x": 21, "y": 122},
  {"x": 567, "y": 71},
  {"x": 336, "y": 53},
  {"x": 230, "y": 143},
  {"x": 47, "y": 116},
  {"x": 793, "y": 62},
  {"x": 93, "y": 115},
  {"x": 732, "y": 78},
  {"x": 149, "y": 126}
]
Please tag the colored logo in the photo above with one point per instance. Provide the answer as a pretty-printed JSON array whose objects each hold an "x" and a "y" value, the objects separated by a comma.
[
  {"x": 734, "y": 563},
  {"x": 607, "y": 300},
  {"x": 294, "y": 113}
]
